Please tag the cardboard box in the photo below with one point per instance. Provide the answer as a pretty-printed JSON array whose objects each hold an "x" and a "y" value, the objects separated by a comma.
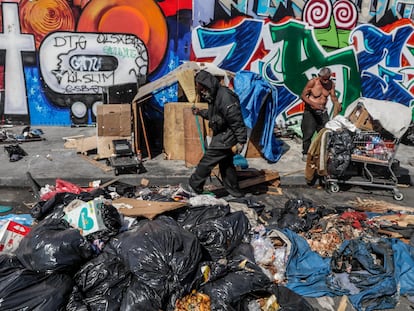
[
  {"x": 361, "y": 118},
  {"x": 113, "y": 119},
  {"x": 11, "y": 233},
  {"x": 144, "y": 208},
  {"x": 85, "y": 216}
]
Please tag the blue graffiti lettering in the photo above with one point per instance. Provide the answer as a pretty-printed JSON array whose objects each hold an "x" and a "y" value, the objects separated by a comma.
[{"x": 237, "y": 44}]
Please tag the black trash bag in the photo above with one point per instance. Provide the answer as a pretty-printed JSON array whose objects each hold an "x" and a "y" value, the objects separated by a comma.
[
  {"x": 228, "y": 291},
  {"x": 142, "y": 297},
  {"x": 250, "y": 203},
  {"x": 194, "y": 216},
  {"x": 54, "y": 246},
  {"x": 298, "y": 215},
  {"x": 287, "y": 299},
  {"x": 100, "y": 284},
  {"x": 53, "y": 207},
  {"x": 112, "y": 220},
  {"x": 22, "y": 289},
  {"x": 15, "y": 152},
  {"x": 244, "y": 250},
  {"x": 221, "y": 236},
  {"x": 339, "y": 148},
  {"x": 162, "y": 255}
]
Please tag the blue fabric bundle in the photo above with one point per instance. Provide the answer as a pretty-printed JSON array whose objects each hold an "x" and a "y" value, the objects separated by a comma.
[{"x": 254, "y": 92}]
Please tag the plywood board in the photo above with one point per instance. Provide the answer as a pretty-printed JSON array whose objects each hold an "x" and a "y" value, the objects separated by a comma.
[
  {"x": 193, "y": 137},
  {"x": 148, "y": 209},
  {"x": 174, "y": 147}
]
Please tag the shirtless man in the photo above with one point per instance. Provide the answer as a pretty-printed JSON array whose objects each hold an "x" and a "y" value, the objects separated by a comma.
[{"x": 315, "y": 95}]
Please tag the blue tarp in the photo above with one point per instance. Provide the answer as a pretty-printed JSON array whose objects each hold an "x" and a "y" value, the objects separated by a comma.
[
  {"x": 310, "y": 275},
  {"x": 254, "y": 92}
]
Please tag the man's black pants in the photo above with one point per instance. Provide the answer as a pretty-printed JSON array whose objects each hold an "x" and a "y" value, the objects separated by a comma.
[
  {"x": 311, "y": 123},
  {"x": 212, "y": 157}
]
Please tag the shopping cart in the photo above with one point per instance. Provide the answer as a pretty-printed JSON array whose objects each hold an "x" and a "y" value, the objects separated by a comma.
[
  {"x": 372, "y": 163},
  {"x": 372, "y": 152}
]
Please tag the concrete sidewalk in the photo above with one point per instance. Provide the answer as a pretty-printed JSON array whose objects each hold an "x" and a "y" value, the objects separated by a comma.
[{"x": 48, "y": 160}]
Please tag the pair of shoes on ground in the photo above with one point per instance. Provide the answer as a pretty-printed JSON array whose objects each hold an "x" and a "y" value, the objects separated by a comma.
[
  {"x": 189, "y": 191},
  {"x": 304, "y": 157}
]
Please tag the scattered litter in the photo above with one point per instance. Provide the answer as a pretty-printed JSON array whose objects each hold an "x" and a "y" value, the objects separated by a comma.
[{"x": 202, "y": 252}]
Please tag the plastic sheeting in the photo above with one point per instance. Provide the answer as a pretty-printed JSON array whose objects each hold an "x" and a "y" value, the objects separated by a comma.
[
  {"x": 255, "y": 92},
  {"x": 161, "y": 255},
  {"x": 393, "y": 117},
  {"x": 53, "y": 246},
  {"x": 23, "y": 289}
]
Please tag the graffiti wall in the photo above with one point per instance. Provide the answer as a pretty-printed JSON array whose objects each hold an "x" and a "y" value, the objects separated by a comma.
[
  {"x": 59, "y": 58},
  {"x": 369, "y": 45}
]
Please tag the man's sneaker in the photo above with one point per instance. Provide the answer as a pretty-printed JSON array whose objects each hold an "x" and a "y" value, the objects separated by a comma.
[
  {"x": 188, "y": 190},
  {"x": 304, "y": 157}
]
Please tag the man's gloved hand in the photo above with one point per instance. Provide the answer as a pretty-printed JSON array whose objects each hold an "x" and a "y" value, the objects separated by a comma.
[
  {"x": 195, "y": 110},
  {"x": 239, "y": 148}
]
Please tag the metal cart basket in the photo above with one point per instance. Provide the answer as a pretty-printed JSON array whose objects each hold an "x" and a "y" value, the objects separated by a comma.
[
  {"x": 373, "y": 150},
  {"x": 372, "y": 159}
]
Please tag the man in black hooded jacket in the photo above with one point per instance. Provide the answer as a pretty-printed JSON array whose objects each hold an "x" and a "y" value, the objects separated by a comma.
[{"x": 226, "y": 122}]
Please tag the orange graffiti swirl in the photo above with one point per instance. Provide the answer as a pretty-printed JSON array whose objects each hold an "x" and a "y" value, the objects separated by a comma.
[
  {"x": 142, "y": 18},
  {"x": 40, "y": 17}
]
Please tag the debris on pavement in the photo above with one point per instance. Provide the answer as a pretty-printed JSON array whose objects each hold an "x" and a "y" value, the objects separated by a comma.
[
  {"x": 117, "y": 246},
  {"x": 27, "y": 135},
  {"x": 15, "y": 152}
]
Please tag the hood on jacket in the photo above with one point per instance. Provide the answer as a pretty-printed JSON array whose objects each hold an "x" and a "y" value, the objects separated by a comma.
[{"x": 208, "y": 80}]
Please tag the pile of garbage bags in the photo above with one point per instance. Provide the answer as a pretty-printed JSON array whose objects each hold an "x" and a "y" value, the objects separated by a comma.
[
  {"x": 210, "y": 254},
  {"x": 138, "y": 263}
]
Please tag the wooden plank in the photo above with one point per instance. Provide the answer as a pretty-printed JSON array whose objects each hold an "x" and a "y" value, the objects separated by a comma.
[
  {"x": 164, "y": 81},
  {"x": 378, "y": 206},
  {"x": 402, "y": 220},
  {"x": 268, "y": 176},
  {"x": 82, "y": 145},
  {"x": 193, "y": 150},
  {"x": 149, "y": 209},
  {"x": 173, "y": 133},
  {"x": 103, "y": 167},
  {"x": 109, "y": 183},
  {"x": 136, "y": 128},
  {"x": 73, "y": 137}
]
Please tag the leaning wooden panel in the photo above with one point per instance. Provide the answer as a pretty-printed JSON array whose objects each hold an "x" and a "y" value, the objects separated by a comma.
[
  {"x": 174, "y": 148},
  {"x": 193, "y": 138}
]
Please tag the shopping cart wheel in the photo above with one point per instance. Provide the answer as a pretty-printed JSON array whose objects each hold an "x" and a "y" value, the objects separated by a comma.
[
  {"x": 334, "y": 187},
  {"x": 398, "y": 196}
]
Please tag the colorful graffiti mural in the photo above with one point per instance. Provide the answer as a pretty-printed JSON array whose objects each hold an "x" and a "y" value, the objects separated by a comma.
[
  {"x": 369, "y": 51},
  {"x": 60, "y": 58}
]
